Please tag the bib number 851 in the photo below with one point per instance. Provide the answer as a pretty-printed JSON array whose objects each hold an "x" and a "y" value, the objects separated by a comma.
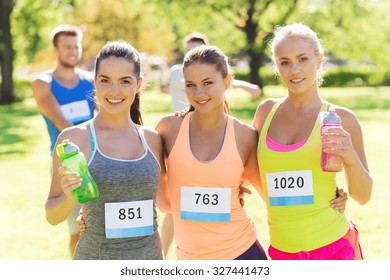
[{"x": 132, "y": 213}]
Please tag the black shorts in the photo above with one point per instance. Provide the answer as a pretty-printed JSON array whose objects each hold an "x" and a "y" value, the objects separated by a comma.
[{"x": 255, "y": 252}]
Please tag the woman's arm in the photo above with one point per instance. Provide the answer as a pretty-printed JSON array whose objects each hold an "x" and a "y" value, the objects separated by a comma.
[
  {"x": 61, "y": 201},
  {"x": 246, "y": 139},
  {"x": 349, "y": 145},
  {"x": 155, "y": 143}
]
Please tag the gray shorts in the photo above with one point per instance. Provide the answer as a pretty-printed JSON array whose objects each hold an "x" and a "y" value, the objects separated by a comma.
[{"x": 71, "y": 220}]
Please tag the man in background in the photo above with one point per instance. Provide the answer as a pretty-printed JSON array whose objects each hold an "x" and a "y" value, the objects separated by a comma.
[
  {"x": 64, "y": 96},
  {"x": 176, "y": 82}
]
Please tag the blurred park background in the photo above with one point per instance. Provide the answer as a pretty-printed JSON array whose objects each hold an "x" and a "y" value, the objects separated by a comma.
[{"x": 355, "y": 34}]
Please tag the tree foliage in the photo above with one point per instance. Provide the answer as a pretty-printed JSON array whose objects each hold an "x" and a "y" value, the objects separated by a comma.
[
  {"x": 133, "y": 22},
  {"x": 32, "y": 23},
  {"x": 252, "y": 21},
  {"x": 353, "y": 31}
]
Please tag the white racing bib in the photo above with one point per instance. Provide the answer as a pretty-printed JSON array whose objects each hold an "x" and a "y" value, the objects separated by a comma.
[
  {"x": 76, "y": 111},
  {"x": 203, "y": 204},
  {"x": 129, "y": 219},
  {"x": 290, "y": 188}
]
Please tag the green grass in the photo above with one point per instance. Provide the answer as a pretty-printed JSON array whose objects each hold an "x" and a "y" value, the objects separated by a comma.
[{"x": 25, "y": 172}]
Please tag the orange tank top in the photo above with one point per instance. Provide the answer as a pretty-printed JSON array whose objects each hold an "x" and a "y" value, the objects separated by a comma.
[{"x": 209, "y": 222}]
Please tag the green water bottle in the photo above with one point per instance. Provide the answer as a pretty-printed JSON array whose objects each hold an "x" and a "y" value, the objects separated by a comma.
[{"x": 74, "y": 159}]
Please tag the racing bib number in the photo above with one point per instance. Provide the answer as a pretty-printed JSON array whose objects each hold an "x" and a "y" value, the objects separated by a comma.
[
  {"x": 203, "y": 204},
  {"x": 76, "y": 111},
  {"x": 290, "y": 188},
  {"x": 129, "y": 219}
]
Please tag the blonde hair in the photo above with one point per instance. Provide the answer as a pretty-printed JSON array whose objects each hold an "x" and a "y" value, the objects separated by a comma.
[{"x": 303, "y": 31}]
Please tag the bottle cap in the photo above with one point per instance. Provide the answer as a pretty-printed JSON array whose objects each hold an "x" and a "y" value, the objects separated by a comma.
[
  {"x": 67, "y": 149},
  {"x": 332, "y": 116}
]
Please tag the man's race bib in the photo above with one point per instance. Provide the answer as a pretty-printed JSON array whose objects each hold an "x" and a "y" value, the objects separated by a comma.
[
  {"x": 290, "y": 188},
  {"x": 129, "y": 219},
  {"x": 76, "y": 112},
  {"x": 203, "y": 204}
]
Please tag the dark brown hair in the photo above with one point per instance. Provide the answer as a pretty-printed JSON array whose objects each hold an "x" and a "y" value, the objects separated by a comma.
[
  {"x": 196, "y": 37},
  {"x": 66, "y": 29},
  {"x": 209, "y": 55},
  {"x": 124, "y": 50}
]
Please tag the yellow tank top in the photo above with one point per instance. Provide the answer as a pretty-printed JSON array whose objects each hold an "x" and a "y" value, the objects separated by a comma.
[
  {"x": 298, "y": 193},
  {"x": 209, "y": 221}
]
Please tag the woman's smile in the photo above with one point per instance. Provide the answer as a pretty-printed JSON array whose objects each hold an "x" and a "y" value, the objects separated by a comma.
[{"x": 114, "y": 101}]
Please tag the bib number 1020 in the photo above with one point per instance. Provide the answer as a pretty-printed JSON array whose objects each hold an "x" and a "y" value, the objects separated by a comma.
[
  {"x": 293, "y": 187},
  {"x": 289, "y": 182},
  {"x": 131, "y": 213}
]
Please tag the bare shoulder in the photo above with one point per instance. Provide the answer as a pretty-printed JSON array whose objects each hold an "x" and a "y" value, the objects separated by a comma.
[
  {"x": 245, "y": 133},
  {"x": 344, "y": 112},
  {"x": 150, "y": 132},
  {"x": 169, "y": 124},
  {"x": 42, "y": 81},
  {"x": 246, "y": 139},
  {"x": 151, "y": 135},
  {"x": 154, "y": 141},
  {"x": 168, "y": 128},
  {"x": 86, "y": 74},
  {"x": 348, "y": 117},
  {"x": 45, "y": 77},
  {"x": 242, "y": 127},
  {"x": 78, "y": 134},
  {"x": 267, "y": 104},
  {"x": 262, "y": 112}
]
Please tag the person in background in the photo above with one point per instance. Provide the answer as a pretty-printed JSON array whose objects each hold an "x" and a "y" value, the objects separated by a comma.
[
  {"x": 64, "y": 96},
  {"x": 126, "y": 161},
  {"x": 301, "y": 223},
  {"x": 176, "y": 83}
]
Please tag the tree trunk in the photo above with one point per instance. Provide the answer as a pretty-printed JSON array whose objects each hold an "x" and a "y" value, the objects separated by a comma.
[
  {"x": 251, "y": 28},
  {"x": 6, "y": 53},
  {"x": 255, "y": 64}
]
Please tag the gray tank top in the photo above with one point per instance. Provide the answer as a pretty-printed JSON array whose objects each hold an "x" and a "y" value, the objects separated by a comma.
[{"x": 120, "y": 181}]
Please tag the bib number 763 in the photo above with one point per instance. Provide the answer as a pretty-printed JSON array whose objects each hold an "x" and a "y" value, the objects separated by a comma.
[
  {"x": 206, "y": 199},
  {"x": 205, "y": 204}
]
